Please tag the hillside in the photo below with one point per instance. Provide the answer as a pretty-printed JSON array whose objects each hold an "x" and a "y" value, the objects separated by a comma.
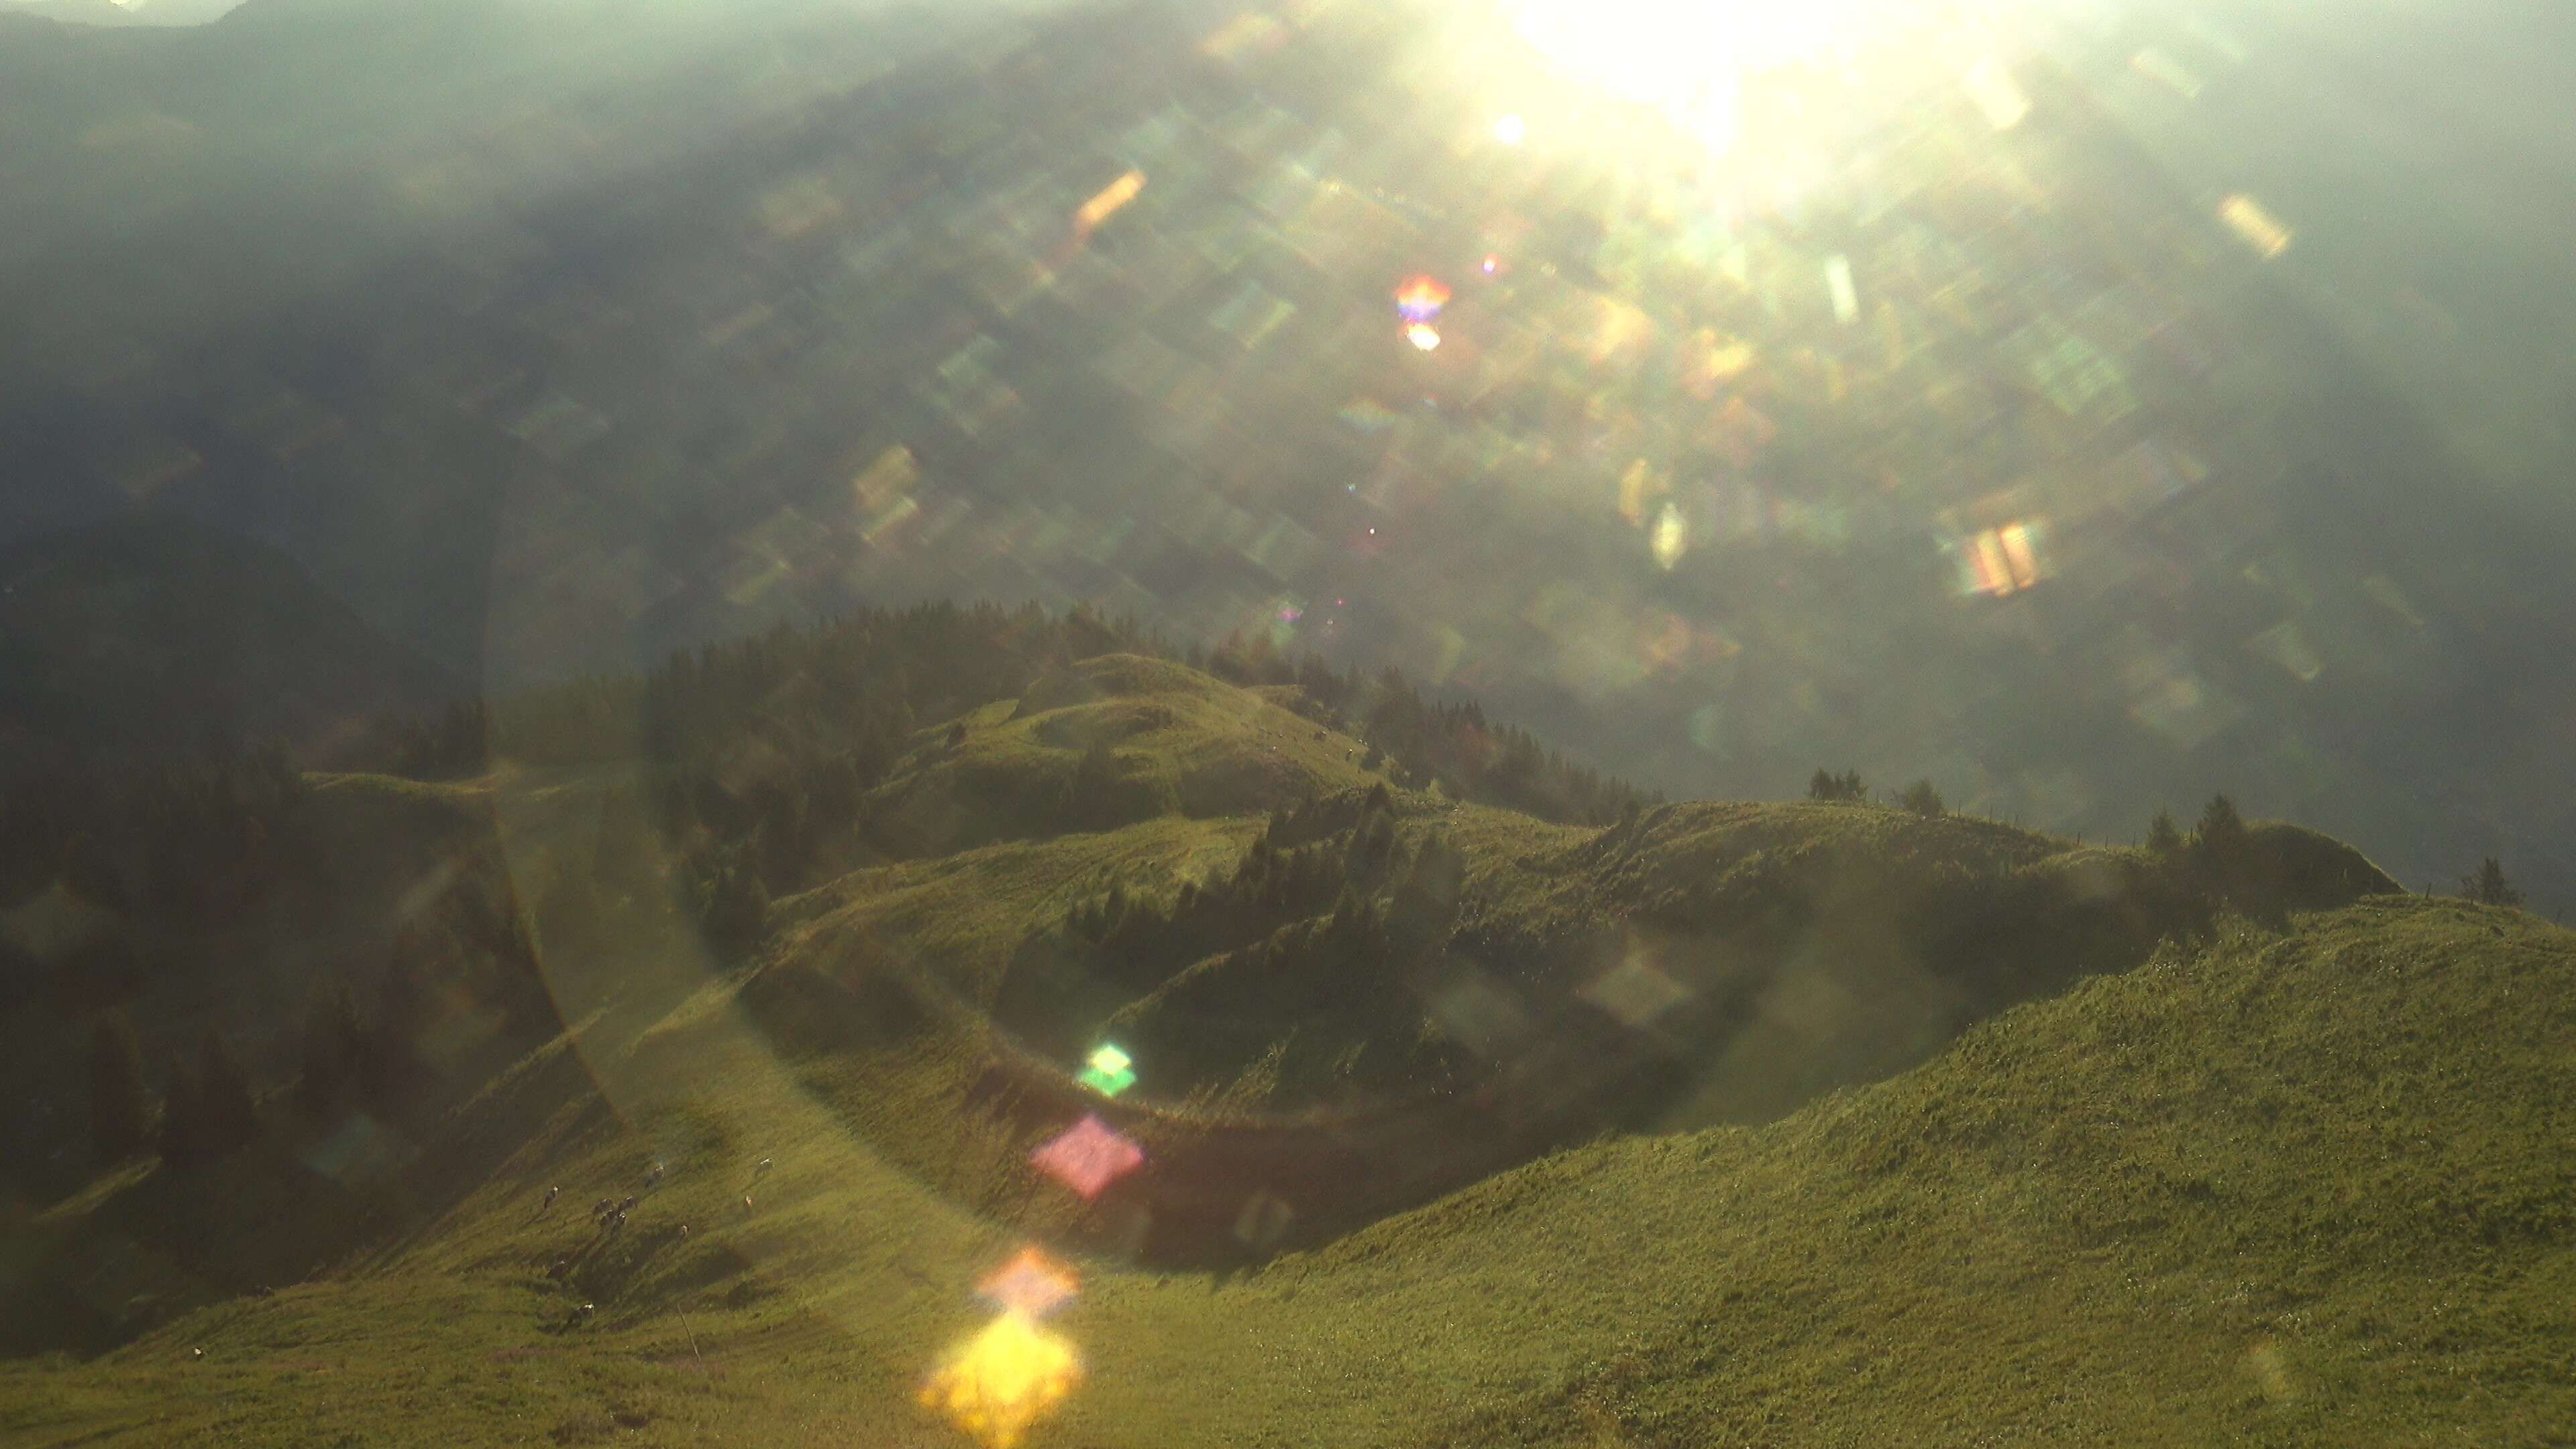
[
  {"x": 146, "y": 640},
  {"x": 1798, "y": 1123},
  {"x": 2292, "y": 1189}
]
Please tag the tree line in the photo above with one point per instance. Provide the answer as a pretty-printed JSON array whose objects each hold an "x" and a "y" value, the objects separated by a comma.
[
  {"x": 2218, "y": 843},
  {"x": 761, "y": 752},
  {"x": 207, "y": 1109}
]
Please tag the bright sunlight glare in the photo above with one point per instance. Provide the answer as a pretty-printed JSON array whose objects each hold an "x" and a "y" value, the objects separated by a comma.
[{"x": 1688, "y": 59}]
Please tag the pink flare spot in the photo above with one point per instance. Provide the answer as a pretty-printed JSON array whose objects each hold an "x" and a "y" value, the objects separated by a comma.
[
  {"x": 1031, "y": 1283},
  {"x": 1088, "y": 1156}
]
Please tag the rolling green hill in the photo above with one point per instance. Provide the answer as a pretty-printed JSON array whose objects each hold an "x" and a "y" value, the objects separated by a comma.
[
  {"x": 1815, "y": 1123},
  {"x": 2300, "y": 1189}
]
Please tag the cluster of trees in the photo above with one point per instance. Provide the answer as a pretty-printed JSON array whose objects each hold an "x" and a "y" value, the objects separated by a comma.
[
  {"x": 1921, "y": 797},
  {"x": 1324, "y": 1005},
  {"x": 1847, "y": 786},
  {"x": 181, "y": 844},
  {"x": 2221, "y": 842},
  {"x": 760, "y": 752},
  {"x": 454, "y": 744},
  {"x": 208, "y": 1110},
  {"x": 1330, "y": 892},
  {"x": 763, "y": 751},
  {"x": 1470, "y": 756},
  {"x": 2487, "y": 885},
  {"x": 1326, "y": 1002},
  {"x": 1276, "y": 881}
]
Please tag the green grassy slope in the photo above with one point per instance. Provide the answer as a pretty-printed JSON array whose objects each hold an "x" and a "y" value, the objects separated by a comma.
[
  {"x": 1179, "y": 743},
  {"x": 2297, "y": 1189}
]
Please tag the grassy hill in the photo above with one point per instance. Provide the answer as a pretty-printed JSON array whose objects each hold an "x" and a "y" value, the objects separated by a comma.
[
  {"x": 2304, "y": 1188},
  {"x": 1722, "y": 1123}
]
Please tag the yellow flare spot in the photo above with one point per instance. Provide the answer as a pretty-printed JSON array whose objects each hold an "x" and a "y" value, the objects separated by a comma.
[
  {"x": 2018, "y": 554},
  {"x": 1423, "y": 336},
  {"x": 1639, "y": 485},
  {"x": 2258, "y": 228},
  {"x": 1003, "y": 1380},
  {"x": 1108, "y": 201},
  {"x": 1670, "y": 538},
  {"x": 1717, "y": 358},
  {"x": 891, "y": 475},
  {"x": 1621, "y": 326},
  {"x": 1997, "y": 94},
  {"x": 1838, "y": 282},
  {"x": 1511, "y": 130}
]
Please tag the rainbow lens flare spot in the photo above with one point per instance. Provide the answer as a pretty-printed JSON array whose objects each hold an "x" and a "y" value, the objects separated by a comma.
[
  {"x": 1109, "y": 1071},
  {"x": 1003, "y": 1380},
  {"x": 1088, "y": 1156},
  {"x": 1032, "y": 1284}
]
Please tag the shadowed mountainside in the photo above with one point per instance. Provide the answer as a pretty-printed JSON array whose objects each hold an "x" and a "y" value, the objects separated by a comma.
[{"x": 148, "y": 640}]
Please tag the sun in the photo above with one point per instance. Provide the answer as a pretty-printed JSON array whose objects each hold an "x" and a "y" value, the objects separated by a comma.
[{"x": 1689, "y": 59}]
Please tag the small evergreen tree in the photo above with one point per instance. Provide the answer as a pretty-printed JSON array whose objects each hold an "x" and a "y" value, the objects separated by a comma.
[
  {"x": 2489, "y": 887},
  {"x": 2164, "y": 838},
  {"x": 226, "y": 1115},
  {"x": 735, "y": 910},
  {"x": 183, "y": 1135},
  {"x": 333, "y": 1039},
  {"x": 1922, "y": 799},
  {"x": 2222, "y": 837},
  {"x": 1826, "y": 785},
  {"x": 120, "y": 1109}
]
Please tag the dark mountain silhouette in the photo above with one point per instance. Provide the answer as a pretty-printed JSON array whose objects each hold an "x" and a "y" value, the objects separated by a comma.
[{"x": 146, "y": 640}]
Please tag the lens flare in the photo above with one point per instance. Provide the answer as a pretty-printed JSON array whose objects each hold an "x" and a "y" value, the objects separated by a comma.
[
  {"x": 1421, "y": 298},
  {"x": 1423, "y": 336},
  {"x": 1108, "y": 202},
  {"x": 1686, "y": 58},
  {"x": 1088, "y": 1156},
  {"x": 1032, "y": 1285},
  {"x": 1109, "y": 1070},
  {"x": 1003, "y": 1380}
]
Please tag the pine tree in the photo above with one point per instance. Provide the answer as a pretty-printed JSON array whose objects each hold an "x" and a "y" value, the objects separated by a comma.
[
  {"x": 736, "y": 907},
  {"x": 120, "y": 1109},
  {"x": 2489, "y": 887},
  {"x": 183, "y": 1135},
  {"x": 1922, "y": 799},
  {"x": 2221, "y": 837},
  {"x": 2164, "y": 838},
  {"x": 333, "y": 1039},
  {"x": 227, "y": 1116}
]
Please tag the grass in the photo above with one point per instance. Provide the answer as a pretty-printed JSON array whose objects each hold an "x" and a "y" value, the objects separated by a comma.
[
  {"x": 1994, "y": 1170},
  {"x": 2307, "y": 1188}
]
